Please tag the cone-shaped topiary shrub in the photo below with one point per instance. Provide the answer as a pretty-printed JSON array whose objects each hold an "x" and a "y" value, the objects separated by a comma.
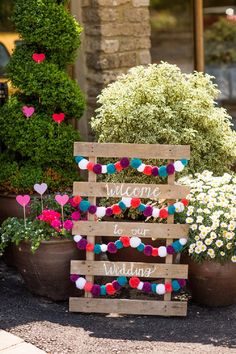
[{"x": 37, "y": 148}]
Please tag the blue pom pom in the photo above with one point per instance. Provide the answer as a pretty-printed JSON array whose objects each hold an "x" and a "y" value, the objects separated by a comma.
[
  {"x": 171, "y": 209},
  {"x": 103, "y": 290},
  {"x": 122, "y": 205},
  {"x": 122, "y": 280},
  {"x": 175, "y": 285},
  {"x": 154, "y": 286},
  {"x": 111, "y": 168},
  {"x": 78, "y": 159},
  {"x": 140, "y": 247},
  {"x": 177, "y": 246},
  {"x": 84, "y": 205},
  {"x": 184, "y": 162},
  {"x": 141, "y": 207},
  {"x": 97, "y": 249},
  {"x": 119, "y": 244},
  {"x": 162, "y": 171},
  {"x": 135, "y": 163}
]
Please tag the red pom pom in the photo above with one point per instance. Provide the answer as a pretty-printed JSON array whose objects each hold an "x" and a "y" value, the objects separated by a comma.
[
  {"x": 135, "y": 202},
  {"x": 168, "y": 287},
  {"x": 89, "y": 247},
  {"x": 125, "y": 240},
  {"x": 185, "y": 201},
  {"x": 77, "y": 199},
  {"x": 88, "y": 287},
  {"x": 110, "y": 289},
  {"x": 118, "y": 166},
  {"x": 155, "y": 252},
  {"x": 134, "y": 282},
  {"x": 116, "y": 209},
  {"x": 147, "y": 170},
  {"x": 90, "y": 166},
  {"x": 163, "y": 213}
]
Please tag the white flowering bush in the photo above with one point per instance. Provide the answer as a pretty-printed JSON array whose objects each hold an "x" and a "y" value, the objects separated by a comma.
[{"x": 211, "y": 215}]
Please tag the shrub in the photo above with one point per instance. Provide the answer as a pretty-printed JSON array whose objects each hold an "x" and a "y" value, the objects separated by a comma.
[{"x": 38, "y": 149}]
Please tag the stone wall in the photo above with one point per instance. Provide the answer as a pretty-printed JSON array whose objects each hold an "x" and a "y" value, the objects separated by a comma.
[{"x": 116, "y": 37}]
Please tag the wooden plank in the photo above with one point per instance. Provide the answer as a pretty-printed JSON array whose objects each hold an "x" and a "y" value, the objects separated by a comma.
[
  {"x": 142, "y": 270},
  {"x": 129, "y": 190},
  {"x": 143, "y": 230},
  {"x": 148, "y": 151},
  {"x": 124, "y": 306}
]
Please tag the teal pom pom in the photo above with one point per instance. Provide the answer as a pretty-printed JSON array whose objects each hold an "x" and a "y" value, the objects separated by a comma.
[
  {"x": 135, "y": 163},
  {"x": 122, "y": 205},
  {"x": 103, "y": 290},
  {"x": 119, "y": 244},
  {"x": 111, "y": 168},
  {"x": 171, "y": 209},
  {"x": 162, "y": 171},
  {"x": 184, "y": 162},
  {"x": 141, "y": 207},
  {"x": 140, "y": 247},
  {"x": 175, "y": 285},
  {"x": 78, "y": 159},
  {"x": 154, "y": 286},
  {"x": 97, "y": 249},
  {"x": 177, "y": 246},
  {"x": 122, "y": 280},
  {"x": 84, "y": 205}
]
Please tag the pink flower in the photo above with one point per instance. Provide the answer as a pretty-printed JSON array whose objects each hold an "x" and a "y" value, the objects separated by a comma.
[
  {"x": 72, "y": 203},
  {"x": 68, "y": 224},
  {"x": 56, "y": 224},
  {"x": 49, "y": 215},
  {"x": 75, "y": 215}
]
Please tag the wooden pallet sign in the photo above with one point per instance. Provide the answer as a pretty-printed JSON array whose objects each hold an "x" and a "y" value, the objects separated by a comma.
[{"x": 92, "y": 228}]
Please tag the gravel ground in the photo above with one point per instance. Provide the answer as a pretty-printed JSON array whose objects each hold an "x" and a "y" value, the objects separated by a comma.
[{"x": 50, "y": 326}]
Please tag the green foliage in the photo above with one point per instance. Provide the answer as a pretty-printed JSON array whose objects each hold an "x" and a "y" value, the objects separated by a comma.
[
  {"x": 38, "y": 149},
  {"x": 159, "y": 104}
]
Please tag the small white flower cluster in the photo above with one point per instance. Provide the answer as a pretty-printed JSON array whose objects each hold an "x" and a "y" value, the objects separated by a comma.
[{"x": 211, "y": 215}]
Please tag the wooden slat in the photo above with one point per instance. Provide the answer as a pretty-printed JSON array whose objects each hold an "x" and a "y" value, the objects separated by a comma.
[
  {"x": 143, "y": 270},
  {"x": 148, "y": 151},
  {"x": 124, "y": 306},
  {"x": 143, "y": 230},
  {"x": 138, "y": 190}
]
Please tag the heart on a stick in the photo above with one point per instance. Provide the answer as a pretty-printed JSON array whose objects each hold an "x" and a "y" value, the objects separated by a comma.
[
  {"x": 61, "y": 199},
  {"x": 40, "y": 188},
  {"x": 38, "y": 57},
  {"x": 58, "y": 117},
  {"x": 23, "y": 200},
  {"x": 28, "y": 111}
]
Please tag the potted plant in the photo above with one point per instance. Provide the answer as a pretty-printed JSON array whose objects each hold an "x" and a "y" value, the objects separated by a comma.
[
  {"x": 211, "y": 248},
  {"x": 36, "y": 136},
  {"x": 44, "y": 247}
]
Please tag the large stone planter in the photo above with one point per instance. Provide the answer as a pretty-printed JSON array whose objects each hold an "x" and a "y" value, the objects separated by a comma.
[
  {"x": 9, "y": 207},
  {"x": 47, "y": 271},
  {"x": 212, "y": 283}
]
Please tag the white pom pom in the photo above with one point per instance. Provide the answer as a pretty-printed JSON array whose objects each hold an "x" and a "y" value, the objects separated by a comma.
[
  {"x": 77, "y": 238},
  {"x": 100, "y": 212},
  {"x": 162, "y": 251},
  {"x": 160, "y": 289},
  {"x": 155, "y": 212},
  {"x": 104, "y": 247},
  {"x": 183, "y": 241},
  {"x": 83, "y": 164},
  {"x": 141, "y": 167},
  {"x": 80, "y": 283},
  {"x": 179, "y": 207},
  {"x": 140, "y": 286},
  {"x": 127, "y": 202},
  {"x": 104, "y": 168},
  {"x": 135, "y": 241},
  {"x": 178, "y": 166}
]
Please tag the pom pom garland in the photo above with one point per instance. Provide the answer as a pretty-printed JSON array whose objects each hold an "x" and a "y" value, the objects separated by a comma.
[{"x": 162, "y": 171}]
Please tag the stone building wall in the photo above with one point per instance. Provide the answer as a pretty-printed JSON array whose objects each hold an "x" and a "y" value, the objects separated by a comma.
[{"x": 116, "y": 37}]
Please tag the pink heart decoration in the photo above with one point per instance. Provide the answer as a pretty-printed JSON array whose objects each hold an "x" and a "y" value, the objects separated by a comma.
[
  {"x": 40, "y": 188},
  {"x": 38, "y": 58},
  {"x": 23, "y": 200},
  {"x": 61, "y": 199},
  {"x": 58, "y": 117},
  {"x": 28, "y": 111}
]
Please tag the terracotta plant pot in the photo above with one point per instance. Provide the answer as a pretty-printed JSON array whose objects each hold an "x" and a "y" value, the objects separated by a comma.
[
  {"x": 212, "y": 283},
  {"x": 47, "y": 271}
]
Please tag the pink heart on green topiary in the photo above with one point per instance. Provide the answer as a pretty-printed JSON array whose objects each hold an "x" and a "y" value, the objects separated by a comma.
[
  {"x": 28, "y": 111},
  {"x": 58, "y": 117},
  {"x": 38, "y": 58}
]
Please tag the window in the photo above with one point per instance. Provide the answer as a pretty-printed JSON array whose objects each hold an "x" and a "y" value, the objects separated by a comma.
[{"x": 4, "y": 58}]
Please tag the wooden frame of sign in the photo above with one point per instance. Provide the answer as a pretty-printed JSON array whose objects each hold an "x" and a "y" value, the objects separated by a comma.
[{"x": 170, "y": 231}]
